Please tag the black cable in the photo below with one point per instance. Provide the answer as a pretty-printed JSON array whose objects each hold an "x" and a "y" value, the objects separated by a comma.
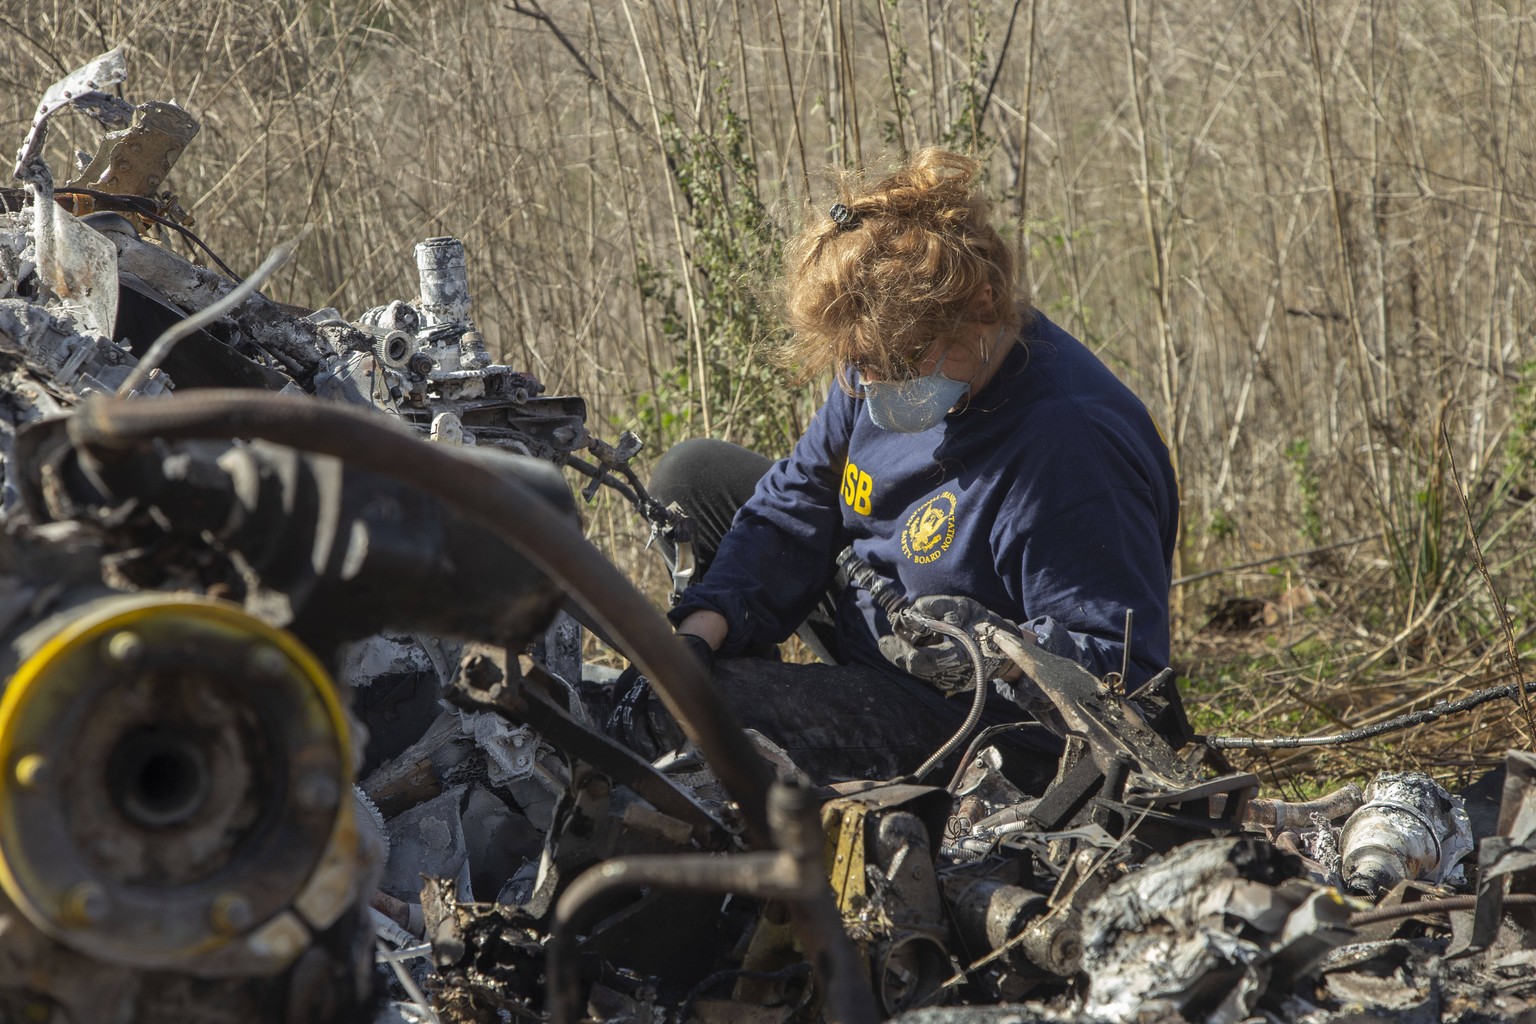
[
  {"x": 136, "y": 204},
  {"x": 982, "y": 737},
  {"x": 602, "y": 476},
  {"x": 1430, "y": 714}
]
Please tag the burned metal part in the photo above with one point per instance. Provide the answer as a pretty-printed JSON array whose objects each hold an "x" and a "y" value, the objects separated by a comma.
[
  {"x": 879, "y": 856},
  {"x": 520, "y": 704},
  {"x": 73, "y": 365},
  {"x": 1119, "y": 759},
  {"x": 509, "y": 750},
  {"x": 427, "y": 841},
  {"x": 1158, "y": 777},
  {"x": 989, "y": 915},
  {"x": 160, "y": 348},
  {"x": 75, "y": 267},
  {"x": 376, "y": 540},
  {"x": 137, "y": 159},
  {"x": 176, "y": 825},
  {"x": 78, "y": 267},
  {"x": 444, "y": 282},
  {"x": 83, "y": 85},
  {"x": 676, "y": 531},
  {"x": 1054, "y": 940},
  {"x": 486, "y": 961},
  {"x": 1517, "y": 815},
  {"x": 1409, "y": 828},
  {"x": 969, "y": 762},
  {"x": 302, "y": 347},
  {"x": 1067, "y": 795},
  {"x": 1506, "y": 861},
  {"x": 416, "y": 775},
  {"x": 794, "y": 874},
  {"x": 1280, "y": 815},
  {"x": 1384, "y": 982},
  {"x": 370, "y": 820},
  {"x": 913, "y": 963},
  {"x": 559, "y": 655},
  {"x": 1193, "y": 932}
]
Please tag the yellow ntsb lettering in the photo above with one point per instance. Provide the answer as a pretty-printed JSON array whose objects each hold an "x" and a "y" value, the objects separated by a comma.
[{"x": 857, "y": 487}]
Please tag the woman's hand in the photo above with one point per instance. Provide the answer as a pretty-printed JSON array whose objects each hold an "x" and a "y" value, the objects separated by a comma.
[
  {"x": 940, "y": 659},
  {"x": 709, "y": 626}
]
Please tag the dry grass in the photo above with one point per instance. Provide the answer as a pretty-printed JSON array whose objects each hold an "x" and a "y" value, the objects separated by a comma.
[{"x": 1302, "y": 231}]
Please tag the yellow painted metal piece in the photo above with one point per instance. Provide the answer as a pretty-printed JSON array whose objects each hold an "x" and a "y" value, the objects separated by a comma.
[
  {"x": 62, "y": 664},
  {"x": 843, "y": 822},
  {"x": 87, "y": 630}
]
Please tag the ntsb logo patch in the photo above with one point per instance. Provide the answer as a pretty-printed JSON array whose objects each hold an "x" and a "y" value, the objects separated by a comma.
[{"x": 930, "y": 529}]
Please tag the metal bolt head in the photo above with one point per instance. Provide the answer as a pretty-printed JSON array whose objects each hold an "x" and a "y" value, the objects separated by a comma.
[
  {"x": 125, "y": 649},
  {"x": 318, "y": 791},
  {"x": 31, "y": 771},
  {"x": 267, "y": 661},
  {"x": 231, "y": 914},
  {"x": 85, "y": 904},
  {"x": 282, "y": 945}
]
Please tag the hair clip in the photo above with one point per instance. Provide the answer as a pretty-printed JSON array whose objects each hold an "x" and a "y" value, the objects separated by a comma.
[{"x": 842, "y": 217}]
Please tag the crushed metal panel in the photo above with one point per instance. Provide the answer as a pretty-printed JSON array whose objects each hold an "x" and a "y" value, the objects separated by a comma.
[
  {"x": 84, "y": 83},
  {"x": 81, "y": 273},
  {"x": 136, "y": 160},
  {"x": 1191, "y": 933}
]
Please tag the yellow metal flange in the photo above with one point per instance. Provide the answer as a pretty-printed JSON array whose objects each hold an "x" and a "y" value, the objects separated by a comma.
[{"x": 176, "y": 775}]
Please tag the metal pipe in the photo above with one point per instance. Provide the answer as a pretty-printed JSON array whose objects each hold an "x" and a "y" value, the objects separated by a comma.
[
  {"x": 757, "y": 874},
  {"x": 1449, "y": 905},
  {"x": 899, "y": 610},
  {"x": 794, "y": 874},
  {"x": 1279, "y": 814},
  {"x": 978, "y": 702}
]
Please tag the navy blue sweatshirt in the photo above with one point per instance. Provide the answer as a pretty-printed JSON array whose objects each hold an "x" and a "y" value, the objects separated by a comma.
[{"x": 1049, "y": 498}]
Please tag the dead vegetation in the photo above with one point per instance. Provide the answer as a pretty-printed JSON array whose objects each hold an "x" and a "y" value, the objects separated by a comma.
[{"x": 1303, "y": 232}]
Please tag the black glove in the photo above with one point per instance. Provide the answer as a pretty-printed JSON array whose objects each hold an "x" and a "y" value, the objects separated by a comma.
[
  {"x": 639, "y": 720},
  {"x": 940, "y": 659}
]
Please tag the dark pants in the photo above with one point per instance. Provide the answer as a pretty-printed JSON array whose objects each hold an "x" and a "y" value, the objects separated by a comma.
[{"x": 836, "y": 721}]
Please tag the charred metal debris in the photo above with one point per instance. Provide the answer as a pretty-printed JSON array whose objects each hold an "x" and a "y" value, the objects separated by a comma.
[{"x": 294, "y": 723}]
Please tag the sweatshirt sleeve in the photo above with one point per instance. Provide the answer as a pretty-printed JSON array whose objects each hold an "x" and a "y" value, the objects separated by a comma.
[
  {"x": 1082, "y": 570},
  {"x": 1081, "y": 553},
  {"x": 776, "y": 560}
]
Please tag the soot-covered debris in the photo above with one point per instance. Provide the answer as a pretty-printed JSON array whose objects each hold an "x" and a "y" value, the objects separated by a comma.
[{"x": 297, "y": 725}]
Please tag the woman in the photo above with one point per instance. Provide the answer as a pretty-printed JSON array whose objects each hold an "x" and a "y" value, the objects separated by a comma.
[{"x": 969, "y": 450}]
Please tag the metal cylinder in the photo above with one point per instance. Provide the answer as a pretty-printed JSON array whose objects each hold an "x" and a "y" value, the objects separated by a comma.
[
  {"x": 180, "y": 766},
  {"x": 1278, "y": 814},
  {"x": 988, "y": 914},
  {"x": 991, "y": 916},
  {"x": 911, "y": 970},
  {"x": 472, "y": 351},
  {"x": 1381, "y": 846},
  {"x": 444, "y": 280},
  {"x": 1398, "y": 834},
  {"x": 1054, "y": 943}
]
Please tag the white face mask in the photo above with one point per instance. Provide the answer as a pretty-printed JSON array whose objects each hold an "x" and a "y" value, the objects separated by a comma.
[{"x": 912, "y": 406}]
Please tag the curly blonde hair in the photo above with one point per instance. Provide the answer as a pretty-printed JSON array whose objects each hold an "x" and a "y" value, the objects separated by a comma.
[{"x": 904, "y": 265}]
